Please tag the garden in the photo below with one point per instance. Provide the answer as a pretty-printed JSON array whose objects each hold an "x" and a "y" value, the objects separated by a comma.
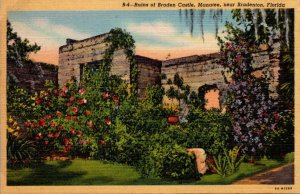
[{"x": 99, "y": 132}]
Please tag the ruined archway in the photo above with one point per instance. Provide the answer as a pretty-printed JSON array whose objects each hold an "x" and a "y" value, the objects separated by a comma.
[{"x": 210, "y": 95}]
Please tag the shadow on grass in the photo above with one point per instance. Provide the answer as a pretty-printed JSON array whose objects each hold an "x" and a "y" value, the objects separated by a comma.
[{"x": 46, "y": 174}]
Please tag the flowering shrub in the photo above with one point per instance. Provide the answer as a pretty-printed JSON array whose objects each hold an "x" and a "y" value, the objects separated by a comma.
[
  {"x": 247, "y": 98},
  {"x": 75, "y": 119}
]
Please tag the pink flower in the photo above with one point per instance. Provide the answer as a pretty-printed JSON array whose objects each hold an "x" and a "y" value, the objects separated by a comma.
[
  {"x": 79, "y": 134},
  {"x": 81, "y": 91},
  {"x": 60, "y": 127},
  {"x": 75, "y": 109},
  {"x": 55, "y": 91},
  {"x": 90, "y": 124},
  {"x": 65, "y": 89},
  {"x": 102, "y": 142},
  {"x": 68, "y": 104},
  {"x": 105, "y": 95},
  {"x": 75, "y": 118},
  {"x": 48, "y": 117},
  {"x": 107, "y": 121},
  {"x": 50, "y": 135},
  {"x": 72, "y": 98},
  {"x": 83, "y": 101},
  {"x": 72, "y": 130},
  {"x": 58, "y": 113}
]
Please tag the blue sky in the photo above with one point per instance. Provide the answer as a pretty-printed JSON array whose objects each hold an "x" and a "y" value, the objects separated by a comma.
[{"x": 157, "y": 33}]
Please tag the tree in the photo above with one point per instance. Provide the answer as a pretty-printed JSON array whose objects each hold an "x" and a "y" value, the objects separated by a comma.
[{"x": 18, "y": 50}]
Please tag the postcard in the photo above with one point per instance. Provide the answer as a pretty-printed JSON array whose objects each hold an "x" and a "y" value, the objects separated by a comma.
[{"x": 149, "y": 96}]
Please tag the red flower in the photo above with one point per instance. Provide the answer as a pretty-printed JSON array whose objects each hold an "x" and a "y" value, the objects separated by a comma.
[
  {"x": 90, "y": 124},
  {"x": 68, "y": 104},
  {"x": 58, "y": 113},
  {"x": 50, "y": 135},
  {"x": 38, "y": 124},
  {"x": 65, "y": 149},
  {"x": 27, "y": 124},
  {"x": 75, "y": 118},
  {"x": 55, "y": 91},
  {"x": 75, "y": 109},
  {"x": 60, "y": 127},
  {"x": 46, "y": 142},
  {"x": 57, "y": 134},
  {"x": 79, "y": 134},
  {"x": 72, "y": 130},
  {"x": 81, "y": 91},
  {"x": 102, "y": 142},
  {"x": 37, "y": 137},
  {"x": 81, "y": 141},
  {"x": 52, "y": 124},
  {"x": 72, "y": 98},
  {"x": 63, "y": 94},
  {"x": 87, "y": 113},
  {"x": 107, "y": 121},
  {"x": 48, "y": 117},
  {"x": 68, "y": 118},
  {"x": 115, "y": 98},
  {"x": 42, "y": 120},
  {"x": 82, "y": 101},
  {"x": 32, "y": 125},
  {"x": 105, "y": 95},
  {"x": 66, "y": 141},
  {"x": 87, "y": 142},
  {"x": 38, "y": 101},
  {"x": 65, "y": 89}
]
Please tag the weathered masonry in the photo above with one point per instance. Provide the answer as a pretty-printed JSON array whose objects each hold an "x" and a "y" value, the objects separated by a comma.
[
  {"x": 77, "y": 53},
  {"x": 195, "y": 70}
]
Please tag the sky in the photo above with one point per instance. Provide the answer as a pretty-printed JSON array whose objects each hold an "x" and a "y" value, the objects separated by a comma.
[{"x": 158, "y": 34}]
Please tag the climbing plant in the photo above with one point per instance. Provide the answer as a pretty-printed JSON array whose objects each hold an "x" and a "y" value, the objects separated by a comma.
[{"x": 120, "y": 39}]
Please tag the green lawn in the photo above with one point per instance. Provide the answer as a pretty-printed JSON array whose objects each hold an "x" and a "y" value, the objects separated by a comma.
[{"x": 93, "y": 172}]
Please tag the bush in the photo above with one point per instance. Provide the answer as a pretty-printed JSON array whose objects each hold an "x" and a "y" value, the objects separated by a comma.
[
  {"x": 210, "y": 130},
  {"x": 168, "y": 161},
  {"x": 20, "y": 150},
  {"x": 289, "y": 157},
  {"x": 280, "y": 140}
]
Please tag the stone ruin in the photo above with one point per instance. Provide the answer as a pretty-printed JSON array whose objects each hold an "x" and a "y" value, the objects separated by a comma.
[{"x": 196, "y": 70}]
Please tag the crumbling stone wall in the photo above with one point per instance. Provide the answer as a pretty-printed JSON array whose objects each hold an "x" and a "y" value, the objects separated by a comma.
[
  {"x": 149, "y": 73},
  {"x": 32, "y": 76},
  {"x": 195, "y": 70},
  {"x": 79, "y": 52}
]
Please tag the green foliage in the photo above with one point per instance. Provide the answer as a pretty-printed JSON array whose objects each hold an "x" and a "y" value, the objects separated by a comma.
[
  {"x": 154, "y": 95},
  {"x": 168, "y": 161},
  {"x": 210, "y": 130},
  {"x": 18, "y": 50},
  {"x": 289, "y": 157},
  {"x": 120, "y": 39},
  {"x": 228, "y": 162},
  {"x": 19, "y": 102},
  {"x": 281, "y": 140}
]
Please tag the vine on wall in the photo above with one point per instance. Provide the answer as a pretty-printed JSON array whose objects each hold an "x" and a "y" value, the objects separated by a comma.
[{"x": 120, "y": 39}]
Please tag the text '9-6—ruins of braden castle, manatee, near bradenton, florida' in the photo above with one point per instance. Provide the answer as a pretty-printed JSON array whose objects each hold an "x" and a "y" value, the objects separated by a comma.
[{"x": 196, "y": 70}]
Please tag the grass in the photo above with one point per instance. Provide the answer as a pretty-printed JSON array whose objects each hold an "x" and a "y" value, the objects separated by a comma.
[{"x": 93, "y": 172}]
